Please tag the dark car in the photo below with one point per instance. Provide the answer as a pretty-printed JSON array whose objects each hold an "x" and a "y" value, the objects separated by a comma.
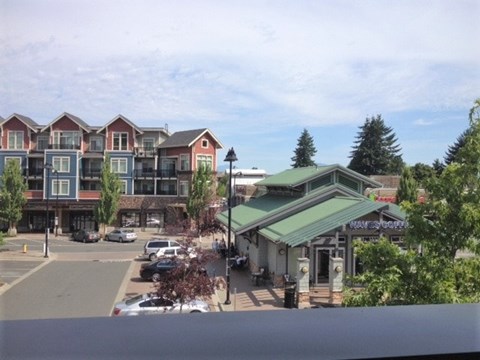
[
  {"x": 86, "y": 236},
  {"x": 154, "y": 270}
]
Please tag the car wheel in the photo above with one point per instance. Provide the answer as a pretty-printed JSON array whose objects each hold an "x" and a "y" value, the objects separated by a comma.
[
  {"x": 194, "y": 311},
  {"x": 84, "y": 240},
  {"x": 121, "y": 240},
  {"x": 156, "y": 277},
  {"x": 106, "y": 238},
  {"x": 152, "y": 257}
]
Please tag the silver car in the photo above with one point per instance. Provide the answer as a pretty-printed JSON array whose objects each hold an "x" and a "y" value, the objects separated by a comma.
[
  {"x": 150, "y": 304},
  {"x": 121, "y": 235}
]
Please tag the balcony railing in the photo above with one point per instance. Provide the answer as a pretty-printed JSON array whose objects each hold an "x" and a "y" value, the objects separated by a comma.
[
  {"x": 91, "y": 173},
  {"x": 167, "y": 173},
  {"x": 145, "y": 173},
  {"x": 167, "y": 192},
  {"x": 64, "y": 147},
  {"x": 35, "y": 171},
  {"x": 145, "y": 152}
]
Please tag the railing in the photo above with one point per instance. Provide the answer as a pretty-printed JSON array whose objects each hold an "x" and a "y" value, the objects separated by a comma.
[
  {"x": 92, "y": 173},
  {"x": 35, "y": 171},
  {"x": 89, "y": 195},
  {"x": 150, "y": 173},
  {"x": 64, "y": 147},
  {"x": 167, "y": 173},
  {"x": 144, "y": 152},
  {"x": 167, "y": 192}
]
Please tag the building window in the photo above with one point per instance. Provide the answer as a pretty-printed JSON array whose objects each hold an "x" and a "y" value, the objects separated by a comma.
[
  {"x": 15, "y": 140},
  {"x": 42, "y": 142},
  {"x": 18, "y": 160},
  {"x": 96, "y": 143},
  {"x": 120, "y": 141},
  {"x": 119, "y": 166},
  {"x": 184, "y": 187},
  {"x": 60, "y": 187},
  {"x": 184, "y": 162},
  {"x": 123, "y": 186},
  {"x": 148, "y": 143},
  {"x": 204, "y": 160},
  {"x": 205, "y": 143},
  {"x": 61, "y": 164},
  {"x": 66, "y": 140}
]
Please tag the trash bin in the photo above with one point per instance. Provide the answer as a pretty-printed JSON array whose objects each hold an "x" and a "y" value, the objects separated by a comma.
[{"x": 289, "y": 299}]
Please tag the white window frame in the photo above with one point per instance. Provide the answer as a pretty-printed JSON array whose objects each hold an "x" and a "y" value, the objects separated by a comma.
[
  {"x": 148, "y": 140},
  {"x": 184, "y": 188},
  {"x": 62, "y": 185},
  {"x": 61, "y": 164},
  {"x": 41, "y": 140},
  {"x": 118, "y": 164},
  {"x": 123, "y": 187},
  {"x": 73, "y": 137},
  {"x": 13, "y": 158},
  {"x": 17, "y": 143},
  {"x": 120, "y": 143},
  {"x": 185, "y": 159},
  {"x": 205, "y": 159}
]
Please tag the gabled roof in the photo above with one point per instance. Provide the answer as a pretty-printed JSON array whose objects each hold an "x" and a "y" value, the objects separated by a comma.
[
  {"x": 74, "y": 118},
  {"x": 269, "y": 209},
  {"x": 298, "y": 176},
  {"x": 121, "y": 117},
  {"x": 187, "y": 138},
  {"x": 24, "y": 119}
]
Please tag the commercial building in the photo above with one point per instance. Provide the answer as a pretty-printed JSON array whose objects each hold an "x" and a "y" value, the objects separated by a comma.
[{"x": 155, "y": 168}]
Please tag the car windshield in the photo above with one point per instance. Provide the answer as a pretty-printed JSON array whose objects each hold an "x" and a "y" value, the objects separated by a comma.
[{"x": 134, "y": 299}]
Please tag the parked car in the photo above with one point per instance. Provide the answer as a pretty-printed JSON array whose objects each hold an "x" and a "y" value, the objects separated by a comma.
[
  {"x": 121, "y": 235},
  {"x": 150, "y": 304},
  {"x": 151, "y": 247},
  {"x": 153, "y": 222},
  {"x": 154, "y": 270},
  {"x": 86, "y": 236},
  {"x": 176, "y": 252}
]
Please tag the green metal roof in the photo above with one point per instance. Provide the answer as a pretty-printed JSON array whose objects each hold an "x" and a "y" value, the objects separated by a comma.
[
  {"x": 297, "y": 176},
  {"x": 320, "y": 219}
]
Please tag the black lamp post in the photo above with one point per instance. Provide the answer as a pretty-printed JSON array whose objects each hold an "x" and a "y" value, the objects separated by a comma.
[
  {"x": 48, "y": 167},
  {"x": 231, "y": 157},
  {"x": 56, "y": 205}
]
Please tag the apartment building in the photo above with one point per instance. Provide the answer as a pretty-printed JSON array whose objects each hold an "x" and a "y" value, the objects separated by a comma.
[{"x": 155, "y": 168}]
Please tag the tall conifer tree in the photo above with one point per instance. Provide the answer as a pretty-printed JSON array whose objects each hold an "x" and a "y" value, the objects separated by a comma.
[{"x": 305, "y": 151}]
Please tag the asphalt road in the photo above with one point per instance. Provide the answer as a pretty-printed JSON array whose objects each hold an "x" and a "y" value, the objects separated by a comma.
[{"x": 64, "y": 289}]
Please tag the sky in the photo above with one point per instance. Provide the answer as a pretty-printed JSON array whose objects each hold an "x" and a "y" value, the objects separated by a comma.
[{"x": 256, "y": 73}]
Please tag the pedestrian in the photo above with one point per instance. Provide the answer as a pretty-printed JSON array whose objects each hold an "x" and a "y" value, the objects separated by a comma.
[
  {"x": 215, "y": 246},
  {"x": 223, "y": 248},
  {"x": 30, "y": 226}
]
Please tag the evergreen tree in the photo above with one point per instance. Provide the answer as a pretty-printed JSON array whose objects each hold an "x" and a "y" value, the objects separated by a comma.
[
  {"x": 407, "y": 189},
  {"x": 376, "y": 151},
  {"x": 305, "y": 151},
  {"x": 438, "y": 166},
  {"x": 12, "y": 197},
  {"x": 452, "y": 151},
  {"x": 106, "y": 209},
  {"x": 422, "y": 173}
]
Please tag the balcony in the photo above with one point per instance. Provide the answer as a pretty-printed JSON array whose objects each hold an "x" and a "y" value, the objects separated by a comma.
[
  {"x": 91, "y": 173},
  {"x": 35, "y": 171},
  {"x": 64, "y": 147},
  {"x": 170, "y": 192},
  {"x": 144, "y": 173},
  {"x": 142, "y": 152},
  {"x": 167, "y": 173}
]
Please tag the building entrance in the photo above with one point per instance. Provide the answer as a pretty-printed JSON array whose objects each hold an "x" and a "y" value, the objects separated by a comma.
[{"x": 322, "y": 262}]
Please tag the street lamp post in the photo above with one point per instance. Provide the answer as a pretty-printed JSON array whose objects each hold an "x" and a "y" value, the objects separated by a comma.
[
  {"x": 48, "y": 167},
  {"x": 56, "y": 205},
  {"x": 231, "y": 157}
]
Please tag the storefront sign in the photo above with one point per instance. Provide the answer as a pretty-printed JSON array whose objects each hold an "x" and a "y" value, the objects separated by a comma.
[{"x": 375, "y": 225}]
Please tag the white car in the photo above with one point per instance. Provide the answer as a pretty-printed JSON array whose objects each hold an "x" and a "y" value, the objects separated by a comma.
[
  {"x": 150, "y": 304},
  {"x": 121, "y": 235},
  {"x": 177, "y": 252}
]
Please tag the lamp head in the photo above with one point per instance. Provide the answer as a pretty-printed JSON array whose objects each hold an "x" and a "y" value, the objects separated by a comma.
[
  {"x": 48, "y": 166},
  {"x": 231, "y": 156}
]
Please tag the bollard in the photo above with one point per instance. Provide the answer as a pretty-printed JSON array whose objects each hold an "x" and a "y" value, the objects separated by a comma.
[{"x": 25, "y": 248}]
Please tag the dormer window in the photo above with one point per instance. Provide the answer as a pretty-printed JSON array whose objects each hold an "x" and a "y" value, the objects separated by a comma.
[{"x": 120, "y": 141}]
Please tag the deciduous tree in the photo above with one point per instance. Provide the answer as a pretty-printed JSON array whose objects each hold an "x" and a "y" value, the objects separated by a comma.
[
  {"x": 201, "y": 194},
  {"x": 12, "y": 197}
]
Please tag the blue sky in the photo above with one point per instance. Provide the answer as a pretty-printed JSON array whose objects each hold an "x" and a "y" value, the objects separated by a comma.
[{"x": 255, "y": 72}]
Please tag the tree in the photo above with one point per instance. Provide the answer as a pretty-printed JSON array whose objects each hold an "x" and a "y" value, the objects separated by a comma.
[
  {"x": 407, "y": 189},
  {"x": 452, "y": 151},
  {"x": 12, "y": 187},
  {"x": 448, "y": 221},
  {"x": 201, "y": 194},
  {"x": 305, "y": 151},
  {"x": 106, "y": 209},
  {"x": 189, "y": 280},
  {"x": 422, "y": 173},
  {"x": 375, "y": 151},
  {"x": 438, "y": 166}
]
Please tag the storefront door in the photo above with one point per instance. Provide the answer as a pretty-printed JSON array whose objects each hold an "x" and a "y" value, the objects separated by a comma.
[{"x": 322, "y": 262}]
